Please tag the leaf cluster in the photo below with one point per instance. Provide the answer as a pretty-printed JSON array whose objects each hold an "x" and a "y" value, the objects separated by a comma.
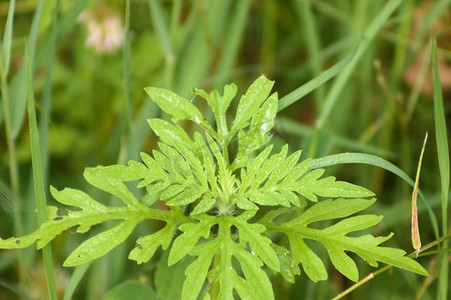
[{"x": 215, "y": 183}]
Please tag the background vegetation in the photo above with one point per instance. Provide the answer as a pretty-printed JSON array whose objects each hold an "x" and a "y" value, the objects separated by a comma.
[{"x": 90, "y": 66}]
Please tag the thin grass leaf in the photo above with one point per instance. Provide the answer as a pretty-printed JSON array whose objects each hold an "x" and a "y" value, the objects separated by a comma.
[
  {"x": 293, "y": 128},
  {"x": 67, "y": 21},
  {"x": 310, "y": 30},
  {"x": 367, "y": 37},
  {"x": 126, "y": 63},
  {"x": 306, "y": 88},
  {"x": 75, "y": 279},
  {"x": 18, "y": 107},
  {"x": 443, "y": 161},
  {"x": 7, "y": 37},
  {"x": 38, "y": 180}
]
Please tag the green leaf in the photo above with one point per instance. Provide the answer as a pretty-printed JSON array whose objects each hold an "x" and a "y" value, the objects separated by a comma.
[
  {"x": 288, "y": 269},
  {"x": 173, "y": 135},
  {"x": 90, "y": 213},
  {"x": 109, "y": 180},
  {"x": 341, "y": 208},
  {"x": 101, "y": 243},
  {"x": 219, "y": 104},
  {"x": 131, "y": 290},
  {"x": 205, "y": 204},
  {"x": 178, "y": 107},
  {"x": 311, "y": 263},
  {"x": 258, "y": 133},
  {"x": 443, "y": 162},
  {"x": 259, "y": 244},
  {"x": 311, "y": 186},
  {"x": 146, "y": 246},
  {"x": 250, "y": 103},
  {"x": 273, "y": 181},
  {"x": 196, "y": 273},
  {"x": 188, "y": 196},
  {"x": 363, "y": 158},
  {"x": 256, "y": 277},
  {"x": 192, "y": 232},
  {"x": 336, "y": 241}
]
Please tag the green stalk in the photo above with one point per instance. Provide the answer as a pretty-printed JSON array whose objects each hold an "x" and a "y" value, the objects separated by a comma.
[
  {"x": 126, "y": 58},
  {"x": 41, "y": 205}
]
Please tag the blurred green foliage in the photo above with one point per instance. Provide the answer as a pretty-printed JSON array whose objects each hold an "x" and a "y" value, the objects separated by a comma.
[{"x": 384, "y": 108}]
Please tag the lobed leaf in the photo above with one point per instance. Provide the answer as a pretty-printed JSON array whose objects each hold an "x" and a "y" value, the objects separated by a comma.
[
  {"x": 173, "y": 135},
  {"x": 192, "y": 232},
  {"x": 288, "y": 269},
  {"x": 250, "y": 102},
  {"x": 311, "y": 186},
  {"x": 101, "y": 243},
  {"x": 256, "y": 277},
  {"x": 258, "y": 133},
  {"x": 219, "y": 104},
  {"x": 176, "y": 106},
  {"x": 336, "y": 241},
  {"x": 196, "y": 272},
  {"x": 259, "y": 244},
  {"x": 146, "y": 246}
]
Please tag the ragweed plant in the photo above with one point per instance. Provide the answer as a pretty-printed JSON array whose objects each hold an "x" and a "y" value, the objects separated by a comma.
[{"x": 224, "y": 203}]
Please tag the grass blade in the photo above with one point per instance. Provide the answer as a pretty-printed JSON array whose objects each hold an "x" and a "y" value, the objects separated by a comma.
[
  {"x": 306, "y": 88},
  {"x": 38, "y": 179},
  {"x": 443, "y": 162},
  {"x": 127, "y": 90},
  {"x": 368, "y": 36},
  {"x": 18, "y": 108},
  {"x": 46, "y": 97},
  {"x": 42, "y": 53},
  {"x": 7, "y": 37},
  {"x": 312, "y": 41},
  {"x": 78, "y": 274}
]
